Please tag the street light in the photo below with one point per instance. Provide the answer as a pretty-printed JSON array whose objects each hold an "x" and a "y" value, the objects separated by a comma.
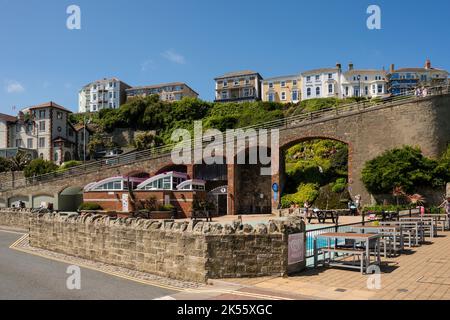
[{"x": 84, "y": 139}]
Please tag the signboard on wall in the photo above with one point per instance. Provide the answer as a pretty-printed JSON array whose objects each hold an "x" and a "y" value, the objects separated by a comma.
[
  {"x": 296, "y": 248},
  {"x": 125, "y": 204}
]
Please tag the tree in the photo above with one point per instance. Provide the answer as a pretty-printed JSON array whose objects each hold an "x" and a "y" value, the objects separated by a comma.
[
  {"x": 39, "y": 167},
  {"x": 146, "y": 140},
  {"x": 405, "y": 167},
  {"x": 20, "y": 161},
  {"x": 5, "y": 165}
]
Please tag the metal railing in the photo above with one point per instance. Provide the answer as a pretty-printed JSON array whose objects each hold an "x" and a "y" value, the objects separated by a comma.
[{"x": 281, "y": 124}]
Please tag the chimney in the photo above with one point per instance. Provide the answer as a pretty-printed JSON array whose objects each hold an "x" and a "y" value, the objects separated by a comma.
[
  {"x": 339, "y": 66},
  {"x": 21, "y": 117},
  {"x": 428, "y": 64},
  {"x": 350, "y": 66},
  {"x": 392, "y": 68}
]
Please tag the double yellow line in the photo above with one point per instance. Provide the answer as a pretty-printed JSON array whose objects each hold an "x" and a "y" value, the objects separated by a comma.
[{"x": 15, "y": 246}]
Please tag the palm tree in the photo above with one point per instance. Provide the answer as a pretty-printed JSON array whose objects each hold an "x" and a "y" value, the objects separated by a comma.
[
  {"x": 20, "y": 161},
  {"x": 397, "y": 193},
  {"x": 416, "y": 199}
]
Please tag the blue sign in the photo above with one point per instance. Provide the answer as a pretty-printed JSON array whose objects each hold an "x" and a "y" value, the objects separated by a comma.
[{"x": 275, "y": 187}]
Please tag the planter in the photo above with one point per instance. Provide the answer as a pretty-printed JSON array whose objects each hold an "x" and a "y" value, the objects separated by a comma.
[{"x": 160, "y": 215}]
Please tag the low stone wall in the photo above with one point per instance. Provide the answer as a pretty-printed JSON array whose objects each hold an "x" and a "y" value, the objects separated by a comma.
[
  {"x": 18, "y": 219},
  {"x": 179, "y": 250}
]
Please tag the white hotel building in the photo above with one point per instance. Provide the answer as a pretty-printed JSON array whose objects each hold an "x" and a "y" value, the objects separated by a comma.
[
  {"x": 334, "y": 83},
  {"x": 102, "y": 94},
  {"x": 321, "y": 83}
]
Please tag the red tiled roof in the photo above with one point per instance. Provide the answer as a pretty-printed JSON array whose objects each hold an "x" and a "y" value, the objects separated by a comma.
[
  {"x": 8, "y": 117},
  {"x": 50, "y": 104}
]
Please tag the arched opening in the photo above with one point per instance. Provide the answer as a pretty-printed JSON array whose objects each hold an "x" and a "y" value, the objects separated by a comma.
[
  {"x": 253, "y": 189},
  {"x": 215, "y": 174},
  {"x": 315, "y": 170},
  {"x": 40, "y": 199},
  {"x": 172, "y": 167},
  {"x": 14, "y": 201},
  {"x": 70, "y": 199},
  {"x": 138, "y": 174}
]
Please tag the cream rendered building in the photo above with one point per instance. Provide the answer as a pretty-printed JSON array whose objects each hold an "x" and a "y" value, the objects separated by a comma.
[
  {"x": 168, "y": 92},
  {"x": 364, "y": 83},
  {"x": 284, "y": 89}
]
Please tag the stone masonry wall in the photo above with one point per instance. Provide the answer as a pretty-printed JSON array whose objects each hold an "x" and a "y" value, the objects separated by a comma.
[
  {"x": 179, "y": 250},
  {"x": 15, "y": 219}
]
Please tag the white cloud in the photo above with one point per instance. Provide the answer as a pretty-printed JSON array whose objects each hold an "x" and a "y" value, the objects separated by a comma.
[
  {"x": 174, "y": 57},
  {"x": 13, "y": 86},
  {"x": 147, "y": 64}
]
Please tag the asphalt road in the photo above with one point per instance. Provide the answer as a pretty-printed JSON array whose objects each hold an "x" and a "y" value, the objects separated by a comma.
[{"x": 25, "y": 276}]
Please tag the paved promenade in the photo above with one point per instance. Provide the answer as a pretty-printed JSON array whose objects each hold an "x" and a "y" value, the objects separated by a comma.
[{"x": 422, "y": 273}]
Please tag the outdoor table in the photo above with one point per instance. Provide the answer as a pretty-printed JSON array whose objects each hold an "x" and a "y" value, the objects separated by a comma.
[
  {"x": 353, "y": 237},
  {"x": 408, "y": 225},
  {"x": 396, "y": 232},
  {"x": 428, "y": 224},
  {"x": 439, "y": 218},
  {"x": 323, "y": 215}
]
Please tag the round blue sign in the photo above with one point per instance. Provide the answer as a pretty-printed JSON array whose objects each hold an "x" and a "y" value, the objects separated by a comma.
[{"x": 275, "y": 187}]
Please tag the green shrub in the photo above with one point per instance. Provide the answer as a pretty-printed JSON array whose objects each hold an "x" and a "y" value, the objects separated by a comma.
[
  {"x": 39, "y": 167},
  {"x": 5, "y": 165},
  {"x": 89, "y": 206},
  {"x": 166, "y": 207},
  {"x": 305, "y": 193},
  {"x": 339, "y": 186},
  {"x": 405, "y": 167},
  {"x": 69, "y": 164}
]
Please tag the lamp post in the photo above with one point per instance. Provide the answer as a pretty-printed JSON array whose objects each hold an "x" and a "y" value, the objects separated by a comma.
[{"x": 85, "y": 122}]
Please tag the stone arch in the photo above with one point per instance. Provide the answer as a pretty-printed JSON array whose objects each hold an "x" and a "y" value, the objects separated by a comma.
[
  {"x": 172, "y": 167},
  {"x": 138, "y": 174},
  {"x": 303, "y": 138},
  {"x": 70, "y": 198},
  {"x": 38, "y": 198},
  {"x": 26, "y": 199}
]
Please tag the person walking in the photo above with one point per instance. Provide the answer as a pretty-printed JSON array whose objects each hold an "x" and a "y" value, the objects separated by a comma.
[
  {"x": 446, "y": 206},
  {"x": 306, "y": 207}
]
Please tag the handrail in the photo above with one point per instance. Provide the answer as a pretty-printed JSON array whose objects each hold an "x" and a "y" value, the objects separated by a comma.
[{"x": 282, "y": 124}]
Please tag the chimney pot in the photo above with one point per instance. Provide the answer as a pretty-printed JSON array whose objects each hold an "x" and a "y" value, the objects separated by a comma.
[
  {"x": 350, "y": 66},
  {"x": 392, "y": 68},
  {"x": 428, "y": 64}
]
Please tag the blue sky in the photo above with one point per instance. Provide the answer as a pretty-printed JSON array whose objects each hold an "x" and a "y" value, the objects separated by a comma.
[{"x": 148, "y": 42}]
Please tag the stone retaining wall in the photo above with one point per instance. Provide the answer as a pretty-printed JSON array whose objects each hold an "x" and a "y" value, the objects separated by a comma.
[
  {"x": 178, "y": 250},
  {"x": 18, "y": 219}
]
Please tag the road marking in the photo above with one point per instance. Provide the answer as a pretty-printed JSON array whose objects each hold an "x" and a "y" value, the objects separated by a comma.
[
  {"x": 14, "y": 246},
  {"x": 10, "y": 231}
]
